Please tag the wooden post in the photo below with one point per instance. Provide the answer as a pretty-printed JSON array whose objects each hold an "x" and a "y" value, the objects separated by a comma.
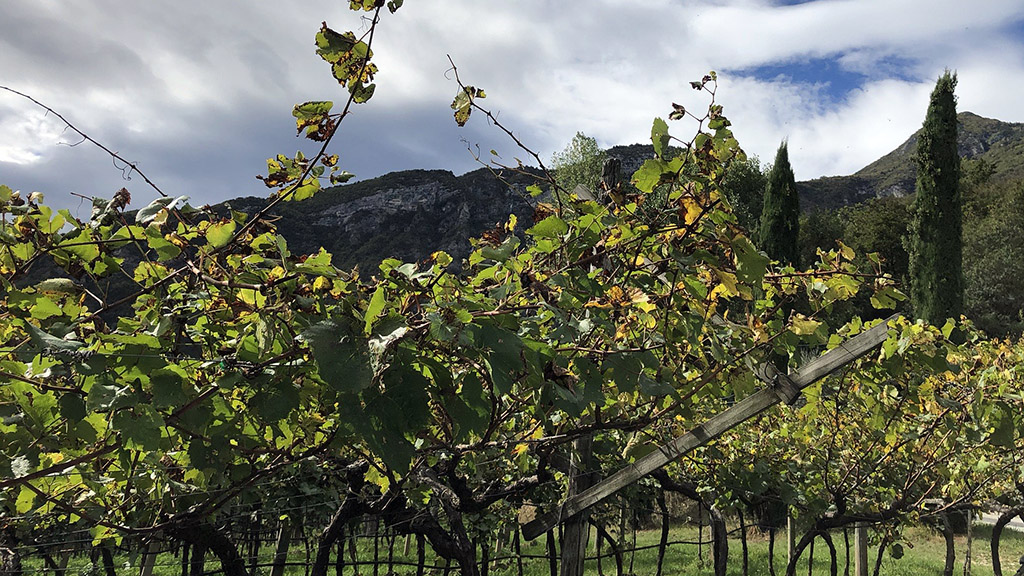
[
  {"x": 860, "y": 554},
  {"x": 969, "y": 514},
  {"x": 783, "y": 388},
  {"x": 576, "y": 531},
  {"x": 284, "y": 539},
  {"x": 149, "y": 558},
  {"x": 790, "y": 538}
]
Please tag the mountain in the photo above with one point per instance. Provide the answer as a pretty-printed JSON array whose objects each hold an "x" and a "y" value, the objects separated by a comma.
[
  {"x": 406, "y": 215},
  {"x": 1001, "y": 144},
  {"x": 409, "y": 214}
]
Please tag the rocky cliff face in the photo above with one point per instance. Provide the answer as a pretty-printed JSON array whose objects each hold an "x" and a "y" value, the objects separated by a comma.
[
  {"x": 405, "y": 215},
  {"x": 410, "y": 214}
]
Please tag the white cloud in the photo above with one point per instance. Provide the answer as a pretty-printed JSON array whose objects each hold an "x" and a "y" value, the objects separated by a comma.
[
  {"x": 26, "y": 138},
  {"x": 745, "y": 35},
  {"x": 201, "y": 92}
]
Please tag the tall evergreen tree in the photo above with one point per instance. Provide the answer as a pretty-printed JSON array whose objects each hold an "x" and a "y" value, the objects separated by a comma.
[
  {"x": 936, "y": 237},
  {"x": 780, "y": 218}
]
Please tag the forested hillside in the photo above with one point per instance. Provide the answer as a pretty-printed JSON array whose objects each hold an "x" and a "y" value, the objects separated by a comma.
[{"x": 871, "y": 212}]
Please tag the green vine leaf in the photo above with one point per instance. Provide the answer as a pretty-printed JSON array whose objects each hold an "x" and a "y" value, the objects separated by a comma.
[
  {"x": 349, "y": 57},
  {"x": 44, "y": 340},
  {"x": 315, "y": 118},
  {"x": 147, "y": 215},
  {"x": 340, "y": 353},
  {"x": 219, "y": 234},
  {"x": 463, "y": 103},
  {"x": 660, "y": 137}
]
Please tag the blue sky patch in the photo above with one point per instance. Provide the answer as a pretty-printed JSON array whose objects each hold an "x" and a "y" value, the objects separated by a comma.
[
  {"x": 1014, "y": 29},
  {"x": 833, "y": 78}
]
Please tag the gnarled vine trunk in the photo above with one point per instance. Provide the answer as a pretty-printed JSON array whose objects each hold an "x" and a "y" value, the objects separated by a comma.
[
  {"x": 806, "y": 540},
  {"x": 200, "y": 533},
  {"x": 663, "y": 543},
  {"x": 602, "y": 534},
  {"x": 348, "y": 510},
  {"x": 833, "y": 559},
  {"x": 719, "y": 542},
  {"x": 10, "y": 560},
  {"x": 997, "y": 532},
  {"x": 946, "y": 529}
]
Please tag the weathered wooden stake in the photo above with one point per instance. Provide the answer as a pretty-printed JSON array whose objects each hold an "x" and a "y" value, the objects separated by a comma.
[
  {"x": 149, "y": 559},
  {"x": 967, "y": 556},
  {"x": 574, "y": 536},
  {"x": 790, "y": 538},
  {"x": 860, "y": 545},
  {"x": 284, "y": 540},
  {"x": 783, "y": 387}
]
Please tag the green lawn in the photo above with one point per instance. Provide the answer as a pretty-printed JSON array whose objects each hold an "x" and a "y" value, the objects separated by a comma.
[
  {"x": 927, "y": 556},
  {"x": 924, "y": 555}
]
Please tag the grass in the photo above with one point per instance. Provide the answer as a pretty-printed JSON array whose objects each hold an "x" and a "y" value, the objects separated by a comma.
[{"x": 925, "y": 554}]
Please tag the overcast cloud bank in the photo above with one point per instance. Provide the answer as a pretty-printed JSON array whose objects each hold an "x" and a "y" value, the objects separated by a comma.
[{"x": 200, "y": 93}]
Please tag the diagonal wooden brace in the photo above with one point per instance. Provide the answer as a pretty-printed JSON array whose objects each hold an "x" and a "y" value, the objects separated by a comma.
[{"x": 784, "y": 387}]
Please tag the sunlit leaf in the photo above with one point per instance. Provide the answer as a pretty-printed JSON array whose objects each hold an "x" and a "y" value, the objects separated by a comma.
[
  {"x": 219, "y": 234},
  {"x": 463, "y": 103},
  {"x": 660, "y": 137}
]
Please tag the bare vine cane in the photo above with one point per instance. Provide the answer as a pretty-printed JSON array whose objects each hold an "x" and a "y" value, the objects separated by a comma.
[{"x": 126, "y": 170}]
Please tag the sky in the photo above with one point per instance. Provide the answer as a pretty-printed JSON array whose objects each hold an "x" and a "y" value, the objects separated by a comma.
[{"x": 199, "y": 93}]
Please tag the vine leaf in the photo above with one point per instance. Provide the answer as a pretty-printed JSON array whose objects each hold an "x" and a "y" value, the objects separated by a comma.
[
  {"x": 469, "y": 410},
  {"x": 167, "y": 388},
  {"x": 751, "y": 264},
  {"x": 349, "y": 59},
  {"x": 377, "y": 302},
  {"x": 1004, "y": 430},
  {"x": 139, "y": 426},
  {"x": 505, "y": 359},
  {"x": 72, "y": 407},
  {"x": 150, "y": 212},
  {"x": 659, "y": 137},
  {"x": 401, "y": 403},
  {"x": 364, "y": 5},
  {"x": 219, "y": 234},
  {"x": 550, "y": 227},
  {"x": 463, "y": 103},
  {"x": 340, "y": 354},
  {"x": 43, "y": 339},
  {"x": 315, "y": 118}
]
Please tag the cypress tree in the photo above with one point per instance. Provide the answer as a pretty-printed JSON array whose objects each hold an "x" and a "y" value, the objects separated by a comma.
[
  {"x": 780, "y": 217},
  {"x": 936, "y": 237}
]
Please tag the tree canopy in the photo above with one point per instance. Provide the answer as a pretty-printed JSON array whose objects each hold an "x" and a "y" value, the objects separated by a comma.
[
  {"x": 779, "y": 231},
  {"x": 936, "y": 235},
  {"x": 579, "y": 163}
]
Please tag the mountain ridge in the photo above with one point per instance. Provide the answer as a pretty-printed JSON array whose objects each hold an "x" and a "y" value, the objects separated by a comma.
[
  {"x": 894, "y": 174},
  {"x": 411, "y": 213}
]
